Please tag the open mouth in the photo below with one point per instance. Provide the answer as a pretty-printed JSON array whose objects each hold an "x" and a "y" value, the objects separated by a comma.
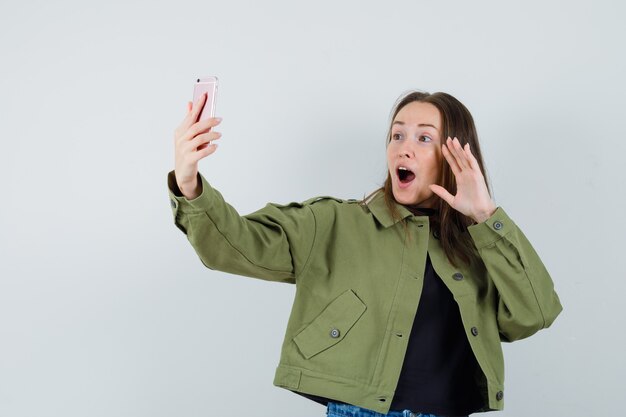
[{"x": 405, "y": 175}]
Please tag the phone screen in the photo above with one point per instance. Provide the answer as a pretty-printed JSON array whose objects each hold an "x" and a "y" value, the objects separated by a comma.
[{"x": 208, "y": 85}]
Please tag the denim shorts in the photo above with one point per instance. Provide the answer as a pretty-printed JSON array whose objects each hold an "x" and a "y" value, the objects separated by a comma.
[{"x": 348, "y": 410}]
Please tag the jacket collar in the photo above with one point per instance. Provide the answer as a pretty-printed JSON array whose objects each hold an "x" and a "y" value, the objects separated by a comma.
[{"x": 376, "y": 205}]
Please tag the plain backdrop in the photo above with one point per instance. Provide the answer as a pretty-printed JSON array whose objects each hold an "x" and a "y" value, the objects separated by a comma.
[{"x": 106, "y": 310}]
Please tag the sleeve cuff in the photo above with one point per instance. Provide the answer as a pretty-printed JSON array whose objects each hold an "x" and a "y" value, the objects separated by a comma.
[
  {"x": 180, "y": 203},
  {"x": 492, "y": 229}
]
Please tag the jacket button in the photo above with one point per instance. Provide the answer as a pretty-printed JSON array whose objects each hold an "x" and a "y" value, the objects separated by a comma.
[
  {"x": 497, "y": 225},
  {"x": 436, "y": 234},
  {"x": 334, "y": 333},
  {"x": 474, "y": 331},
  {"x": 173, "y": 203},
  {"x": 457, "y": 276},
  {"x": 499, "y": 395}
]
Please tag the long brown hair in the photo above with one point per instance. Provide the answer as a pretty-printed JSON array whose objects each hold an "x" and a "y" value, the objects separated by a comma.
[{"x": 456, "y": 121}]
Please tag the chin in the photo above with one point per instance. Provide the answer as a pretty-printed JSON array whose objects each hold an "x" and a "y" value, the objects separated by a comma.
[{"x": 405, "y": 197}]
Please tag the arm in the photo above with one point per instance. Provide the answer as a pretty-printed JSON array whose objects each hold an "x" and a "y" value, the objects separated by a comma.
[
  {"x": 527, "y": 301},
  {"x": 272, "y": 243}
]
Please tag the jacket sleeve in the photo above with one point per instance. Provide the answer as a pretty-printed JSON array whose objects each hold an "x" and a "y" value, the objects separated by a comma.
[
  {"x": 527, "y": 301},
  {"x": 272, "y": 243}
]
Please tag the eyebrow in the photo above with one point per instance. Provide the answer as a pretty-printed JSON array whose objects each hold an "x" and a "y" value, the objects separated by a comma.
[{"x": 398, "y": 122}]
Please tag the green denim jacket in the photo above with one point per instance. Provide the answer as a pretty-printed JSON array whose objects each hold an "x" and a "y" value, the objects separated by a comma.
[{"x": 358, "y": 281}]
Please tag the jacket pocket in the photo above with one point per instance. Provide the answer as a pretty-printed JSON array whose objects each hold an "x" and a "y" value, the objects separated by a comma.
[{"x": 331, "y": 325}]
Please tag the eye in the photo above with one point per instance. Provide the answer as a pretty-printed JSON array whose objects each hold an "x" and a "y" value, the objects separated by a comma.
[
  {"x": 393, "y": 136},
  {"x": 426, "y": 137}
]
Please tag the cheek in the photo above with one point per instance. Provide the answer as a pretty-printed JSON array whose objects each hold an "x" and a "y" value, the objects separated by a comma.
[
  {"x": 389, "y": 153},
  {"x": 437, "y": 165},
  {"x": 432, "y": 160}
]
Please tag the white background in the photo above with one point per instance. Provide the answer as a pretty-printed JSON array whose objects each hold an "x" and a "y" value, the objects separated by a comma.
[{"x": 105, "y": 309}]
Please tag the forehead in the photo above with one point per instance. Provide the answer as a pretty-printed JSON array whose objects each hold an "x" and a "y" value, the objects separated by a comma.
[{"x": 417, "y": 112}]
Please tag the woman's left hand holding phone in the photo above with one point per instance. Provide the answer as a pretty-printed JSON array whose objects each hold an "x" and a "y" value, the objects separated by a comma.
[{"x": 192, "y": 142}]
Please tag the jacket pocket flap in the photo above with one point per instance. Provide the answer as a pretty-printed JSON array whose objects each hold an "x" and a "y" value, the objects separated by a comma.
[{"x": 331, "y": 325}]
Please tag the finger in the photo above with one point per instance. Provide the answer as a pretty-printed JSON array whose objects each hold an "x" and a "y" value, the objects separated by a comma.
[
  {"x": 451, "y": 160},
  {"x": 453, "y": 151},
  {"x": 459, "y": 155},
  {"x": 442, "y": 192},
  {"x": 189, "y": 106},
  {"x": 202, "y": 146},
  {"x": 471, "y": 158},
  {"x": 199, "y": 127},
  {"x": 198, "y": 106},
  {"x": 207, "y": 124},
  {"x": 205, "y": 152},
  {"x": 192, "y": 115},
  {"x": 204, "y": 139}
]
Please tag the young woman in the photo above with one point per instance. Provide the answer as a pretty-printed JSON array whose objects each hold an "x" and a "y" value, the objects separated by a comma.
[{"x": 403, "y": 298}]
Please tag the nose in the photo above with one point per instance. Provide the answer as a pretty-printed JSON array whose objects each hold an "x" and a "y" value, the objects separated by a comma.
[{"x": 406, "y": 150}]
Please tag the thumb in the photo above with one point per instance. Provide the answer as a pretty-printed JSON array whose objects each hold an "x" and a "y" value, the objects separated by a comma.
[{"x": 442, "y": 192}]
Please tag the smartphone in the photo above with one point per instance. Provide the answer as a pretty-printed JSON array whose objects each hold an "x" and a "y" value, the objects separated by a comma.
[{"x": 206, "y": 85}]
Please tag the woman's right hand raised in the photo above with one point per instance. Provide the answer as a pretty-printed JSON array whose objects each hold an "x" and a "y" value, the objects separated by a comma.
[{"x": 192, "y": 142}]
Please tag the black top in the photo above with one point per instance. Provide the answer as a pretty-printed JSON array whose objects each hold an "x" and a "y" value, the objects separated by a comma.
[{"x": 439, "y": 368}]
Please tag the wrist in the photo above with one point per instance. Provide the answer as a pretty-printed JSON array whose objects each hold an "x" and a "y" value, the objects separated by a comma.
[
  {"x": 190, "y": 190},
  {"x": 484, "y": 215}
]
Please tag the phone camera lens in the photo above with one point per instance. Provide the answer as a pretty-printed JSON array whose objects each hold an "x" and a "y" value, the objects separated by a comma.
[{"x": 198, "y": 80}]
